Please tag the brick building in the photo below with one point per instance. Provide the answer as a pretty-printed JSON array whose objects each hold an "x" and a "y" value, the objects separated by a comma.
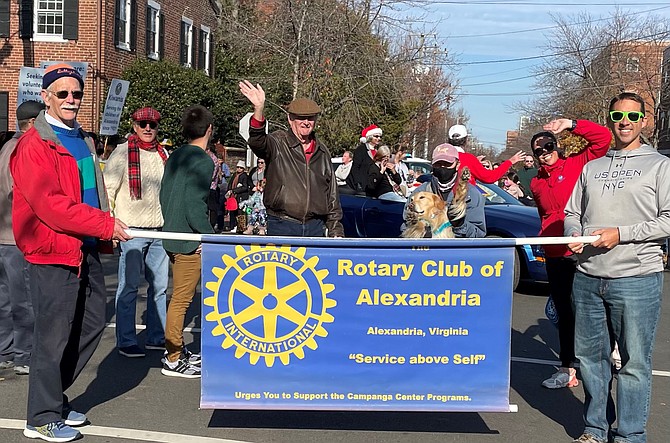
[
  {"x": 663, "y": 115},
  {"x": 631, "y": 66},
  {"x": 107, "y": 34}
]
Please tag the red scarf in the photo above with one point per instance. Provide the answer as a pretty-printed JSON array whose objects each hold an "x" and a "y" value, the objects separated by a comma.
[{"x": 134, "y": 173}]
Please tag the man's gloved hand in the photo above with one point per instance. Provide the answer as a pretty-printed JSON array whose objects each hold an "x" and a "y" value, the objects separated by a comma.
[{"x": 455, "y": 218}]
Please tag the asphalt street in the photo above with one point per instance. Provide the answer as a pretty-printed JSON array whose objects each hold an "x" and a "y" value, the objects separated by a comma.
[{"x": 129, "y": 400}]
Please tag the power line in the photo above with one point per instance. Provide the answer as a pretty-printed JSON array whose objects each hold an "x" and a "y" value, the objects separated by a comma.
[
  {"x": 499, "y": 81},
  {"x": 520, "y": 31},
  {"x": 536, "y": 57},
  {"x": 517, "y": 3}
]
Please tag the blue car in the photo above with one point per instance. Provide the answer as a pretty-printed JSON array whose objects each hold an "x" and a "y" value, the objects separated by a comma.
[{"x": 366, "y": 217}]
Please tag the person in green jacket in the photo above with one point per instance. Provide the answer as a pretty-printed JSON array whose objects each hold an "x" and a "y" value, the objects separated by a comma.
[{"x": 183, "y": 197}]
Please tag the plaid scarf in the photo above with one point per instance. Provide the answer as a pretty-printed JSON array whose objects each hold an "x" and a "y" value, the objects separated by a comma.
[{"x": 134, "y": 173}]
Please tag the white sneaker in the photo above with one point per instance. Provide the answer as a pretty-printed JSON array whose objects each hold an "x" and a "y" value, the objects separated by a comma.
[
  {"x": 615, "y": 357},
  {"x": 562, "y": 379}
]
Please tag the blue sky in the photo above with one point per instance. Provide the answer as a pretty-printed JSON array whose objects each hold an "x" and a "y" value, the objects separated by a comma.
[{"x": 462, "y": 24}]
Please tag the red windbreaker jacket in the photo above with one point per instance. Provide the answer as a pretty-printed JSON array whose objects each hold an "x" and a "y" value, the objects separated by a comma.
[
  {"x": 554, "y": 184},
  {"x": 48, "y": 216}
]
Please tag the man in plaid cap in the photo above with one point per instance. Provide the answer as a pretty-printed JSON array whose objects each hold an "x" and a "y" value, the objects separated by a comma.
[
  {"x": 60, "y": 215},
  {"x": 133, "y": 175}
]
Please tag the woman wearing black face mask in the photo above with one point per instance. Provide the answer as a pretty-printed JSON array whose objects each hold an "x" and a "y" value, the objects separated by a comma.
[{"x": 444, "y": 177}]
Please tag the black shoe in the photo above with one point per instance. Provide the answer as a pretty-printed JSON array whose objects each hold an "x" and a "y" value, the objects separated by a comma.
[
  {"x": 133, "y": 351},
  {"x": 155, "y": 347}
]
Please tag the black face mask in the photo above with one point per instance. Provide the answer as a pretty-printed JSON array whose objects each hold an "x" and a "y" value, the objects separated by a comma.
[{"x": 444, "y": 175}]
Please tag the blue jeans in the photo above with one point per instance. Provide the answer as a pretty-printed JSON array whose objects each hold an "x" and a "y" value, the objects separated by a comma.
[
  {"x": 629, "y": 307},
  {"x": 289, "y": 228},
  {"x": 135, "y": 253}
]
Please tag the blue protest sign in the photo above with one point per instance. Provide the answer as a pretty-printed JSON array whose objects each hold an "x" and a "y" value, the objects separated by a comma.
[{"x": 356, "y": 325}]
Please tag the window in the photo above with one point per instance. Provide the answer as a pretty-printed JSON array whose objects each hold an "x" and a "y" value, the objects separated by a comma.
[
  {"x": 203, "y": 49},
  {"x": 632, "y": 64},
  {"x": 49, "y": 14},
  {"x": 125, "y": 24},
  {"x": 153, "y": 30},
  {"x": 186, "y": 40}
]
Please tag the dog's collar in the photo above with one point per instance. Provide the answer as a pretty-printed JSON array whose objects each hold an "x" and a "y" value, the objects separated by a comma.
[{"x": 442, "y": 227}]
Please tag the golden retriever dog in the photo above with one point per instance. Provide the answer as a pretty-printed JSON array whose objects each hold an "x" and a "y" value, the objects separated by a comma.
[{"x": 430, "y": 211}]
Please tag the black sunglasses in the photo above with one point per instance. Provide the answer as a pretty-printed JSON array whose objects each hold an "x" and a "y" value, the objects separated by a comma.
[
  {"x": 77, "y": 95},
  {"x": 143, "y": 124},
  {"x": 546, "y": 149}
]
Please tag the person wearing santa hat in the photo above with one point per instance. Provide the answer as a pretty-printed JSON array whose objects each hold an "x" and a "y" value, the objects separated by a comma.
[{"x": 363, "y": 157}]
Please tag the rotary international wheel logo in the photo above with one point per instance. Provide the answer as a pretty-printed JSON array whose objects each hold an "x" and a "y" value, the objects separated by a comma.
[{"x": 269, "y": 301}]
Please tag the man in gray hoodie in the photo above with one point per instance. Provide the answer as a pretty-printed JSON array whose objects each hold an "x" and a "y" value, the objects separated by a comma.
[{"x": 622, "y": 197}]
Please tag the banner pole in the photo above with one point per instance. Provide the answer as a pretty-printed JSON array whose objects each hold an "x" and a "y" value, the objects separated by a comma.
[{"x": 160, "y": 235}]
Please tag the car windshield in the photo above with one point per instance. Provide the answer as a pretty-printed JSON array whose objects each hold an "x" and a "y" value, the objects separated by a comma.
[
  {"x": 419, "y": 168},
  {"x": 496, "y": 195}
]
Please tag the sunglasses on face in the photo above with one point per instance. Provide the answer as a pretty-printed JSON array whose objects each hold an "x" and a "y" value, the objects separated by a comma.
[
  {"x": 143, "y": 124},
  {"x": 77, "y": 95},
  {"x": 376, "y": 136},
  {"x": 545, "y": 149},
  {"x": 632, "y": 116}
]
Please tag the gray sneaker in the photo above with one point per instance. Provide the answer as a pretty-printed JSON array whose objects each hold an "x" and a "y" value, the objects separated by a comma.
[
  {"x": 7, "y": 364},
  {"x": 54, "y": 432},
  {"x": 22, "y": 370}
]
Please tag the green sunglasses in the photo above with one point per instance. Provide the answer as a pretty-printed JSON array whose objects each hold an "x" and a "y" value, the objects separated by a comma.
[{"x": 632, "y": 116}]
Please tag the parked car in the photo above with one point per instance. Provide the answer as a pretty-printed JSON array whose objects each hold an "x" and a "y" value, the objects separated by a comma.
[
  {"x": 506, "y": 217},
  {"x": 419, "y": 166}
]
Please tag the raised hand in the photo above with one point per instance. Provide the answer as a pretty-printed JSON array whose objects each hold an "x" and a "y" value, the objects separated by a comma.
[
  {"x": 254, "y": 94},
  {"x": 558, "y": 125},
  {"x": 516, "y": 158}
]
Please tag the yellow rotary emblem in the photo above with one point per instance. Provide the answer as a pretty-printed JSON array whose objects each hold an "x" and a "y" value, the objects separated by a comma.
[{"x": 269, "y": 302}]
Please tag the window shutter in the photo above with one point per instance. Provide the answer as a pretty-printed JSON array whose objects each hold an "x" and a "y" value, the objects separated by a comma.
[
  {"x": 26, "y": 23},
  {"x": 4, "y": 18},
  {"x": 147, "y": 32},
  {"x": 211, "y": 55},
  {"x": 161, "y": 36},
  {"x": 201, "y": 49},
  {"x": 194, "y": 49},
  {"x": 133, "y": 25},
  {"x": 71, "y": 19},
  {"x": 4, "y": 110},
  {"x": 182, "y": 44},
  {"x": 117, "y": 21}
]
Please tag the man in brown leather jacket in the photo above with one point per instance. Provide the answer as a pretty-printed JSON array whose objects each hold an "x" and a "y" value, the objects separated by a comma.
[{"x": 301, "y": 195}]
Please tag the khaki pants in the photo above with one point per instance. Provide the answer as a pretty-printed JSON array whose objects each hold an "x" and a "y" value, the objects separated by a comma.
[{"x": 185, "y": 277}]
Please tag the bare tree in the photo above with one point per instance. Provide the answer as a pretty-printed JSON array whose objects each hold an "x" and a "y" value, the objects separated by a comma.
[
  {"x": 355, "y": 57},
  {"x": 591, "y": 60}
]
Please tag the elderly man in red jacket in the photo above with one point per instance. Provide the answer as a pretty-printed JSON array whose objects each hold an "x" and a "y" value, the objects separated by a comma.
[{"x": 60, "y": 215}]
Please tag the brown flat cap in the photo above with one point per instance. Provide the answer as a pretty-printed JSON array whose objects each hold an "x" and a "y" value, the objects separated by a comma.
[{"x": 303, "y": 107}]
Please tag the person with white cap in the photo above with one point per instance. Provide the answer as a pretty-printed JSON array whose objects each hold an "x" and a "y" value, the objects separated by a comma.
[
  {"x": 364, "y": 156},
  {"x": 458, "y": 137},
  {"x": 444, "y": 177}
]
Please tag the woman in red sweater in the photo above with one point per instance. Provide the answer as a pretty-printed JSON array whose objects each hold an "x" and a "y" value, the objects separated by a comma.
[{"x": 551, "y": 190}]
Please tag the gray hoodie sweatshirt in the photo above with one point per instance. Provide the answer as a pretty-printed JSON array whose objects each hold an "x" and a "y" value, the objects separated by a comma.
[{"x": 629, "y": 190}]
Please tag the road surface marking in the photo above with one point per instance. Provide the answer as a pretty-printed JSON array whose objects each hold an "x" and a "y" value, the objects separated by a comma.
[
  {"x": 132, "y": 434},
  {"x": 514, "y": 359}
]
